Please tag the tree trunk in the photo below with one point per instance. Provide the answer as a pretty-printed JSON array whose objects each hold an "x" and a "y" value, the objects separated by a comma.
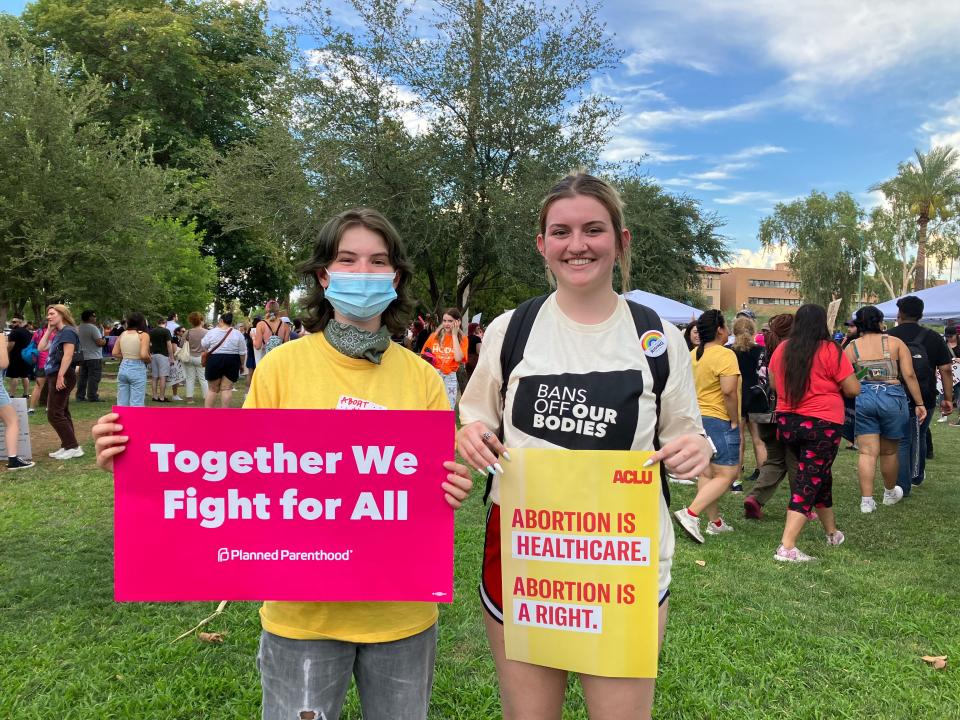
[{"x": 920, "y": 282}]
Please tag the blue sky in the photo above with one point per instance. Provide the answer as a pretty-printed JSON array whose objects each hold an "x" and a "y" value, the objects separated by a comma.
[{"x": 742, "y": 104}]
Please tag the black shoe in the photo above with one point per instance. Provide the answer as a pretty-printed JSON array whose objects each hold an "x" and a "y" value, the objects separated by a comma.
[
  {"x": 17, "y": 463},
  {"x": 754, "y": 476},
  {"x": 96, "y": 399},
  {"x": 80, "y": 399}
]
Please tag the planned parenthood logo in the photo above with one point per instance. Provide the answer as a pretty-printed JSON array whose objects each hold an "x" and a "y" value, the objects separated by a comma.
[{"x": 282, "y": 555}]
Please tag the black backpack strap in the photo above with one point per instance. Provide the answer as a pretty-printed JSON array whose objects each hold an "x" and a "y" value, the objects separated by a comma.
[
  {"x": 511, "y": 353},
  {"x": 515, "y": 340},
  {"x": 645, "y": 320}
]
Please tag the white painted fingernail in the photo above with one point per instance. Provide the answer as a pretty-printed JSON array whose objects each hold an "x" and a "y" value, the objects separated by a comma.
[
  {"x": 506, "y": 456},
  {"x": 490, "y": 470},
  {"x": 648, "y": 463},
  {"x": 499, "y": 468}
]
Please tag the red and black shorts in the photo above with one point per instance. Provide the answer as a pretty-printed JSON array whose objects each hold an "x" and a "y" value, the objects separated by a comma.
[{"x": 491, "y": 575}]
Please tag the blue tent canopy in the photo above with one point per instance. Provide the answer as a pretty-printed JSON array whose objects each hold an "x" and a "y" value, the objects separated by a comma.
[
  {"x": 939, "y": 303},
  {"x": 669, "y": 310}
]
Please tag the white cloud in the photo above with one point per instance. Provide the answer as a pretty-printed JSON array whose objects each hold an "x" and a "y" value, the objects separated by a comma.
[
  {"x": 945, "y": 129},
  {"x": 759, "y": 258},
  {"x": 751, "y": 197},
  {"x": 823, "y": 48},
  {"x": 626, "y": 149},
  {"x": 642, "y": 61},
  {"x": 678, "y": 116},
  {"x": 756, "y": 151}
]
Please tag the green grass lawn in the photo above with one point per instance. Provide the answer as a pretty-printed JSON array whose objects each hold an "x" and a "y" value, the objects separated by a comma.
[{"x": 748, "y": 638}]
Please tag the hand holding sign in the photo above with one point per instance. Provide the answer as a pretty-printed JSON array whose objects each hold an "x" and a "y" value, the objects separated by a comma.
[{"x": 329, "y": 508}]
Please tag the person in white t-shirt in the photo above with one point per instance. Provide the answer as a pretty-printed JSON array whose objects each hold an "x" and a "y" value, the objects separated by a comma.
[{"x": 583, "y": 340}]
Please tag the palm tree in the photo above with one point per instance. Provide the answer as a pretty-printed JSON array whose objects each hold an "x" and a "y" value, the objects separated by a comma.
[{"x": 930, "y": 188}]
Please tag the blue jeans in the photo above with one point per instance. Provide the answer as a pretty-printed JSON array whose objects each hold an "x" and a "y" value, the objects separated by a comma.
[
  {"x": 912, "y": 452},
  {"x": 131, "y": 383},
  {"x": 310, "y": 678}
]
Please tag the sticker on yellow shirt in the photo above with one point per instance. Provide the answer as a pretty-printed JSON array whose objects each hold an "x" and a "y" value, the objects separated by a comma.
[{"x": 579, "y": 542}]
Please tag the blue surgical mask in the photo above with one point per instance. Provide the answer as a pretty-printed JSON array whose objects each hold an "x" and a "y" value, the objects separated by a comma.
[{"x": 360, "y": 296}]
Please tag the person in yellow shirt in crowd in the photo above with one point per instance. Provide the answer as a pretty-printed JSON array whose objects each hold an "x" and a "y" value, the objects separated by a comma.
[
  {"x": 309, "y": 651},
  {"x": 716, "y": 374}
]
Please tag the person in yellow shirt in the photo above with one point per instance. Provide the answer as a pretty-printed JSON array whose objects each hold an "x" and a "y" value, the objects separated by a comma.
[
  {"x": 309, "y": 651},
  {"x": 716, "y": 374}
]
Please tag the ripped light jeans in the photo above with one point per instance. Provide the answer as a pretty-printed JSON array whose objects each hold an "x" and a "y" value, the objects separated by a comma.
[{"x": 308, "y": 679}]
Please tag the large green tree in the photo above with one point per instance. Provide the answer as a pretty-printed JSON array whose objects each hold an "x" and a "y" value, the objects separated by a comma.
[
  {"x": 455, "y": 123},
  {"x": 930, "y": 188},
  {"x": 76, "y": 202},
  {"x": 193, "y": 78},
  {"x": 183, "y": 71},
  {"x": 672, "y": 237},
  {"x": 822, "y": 235}
]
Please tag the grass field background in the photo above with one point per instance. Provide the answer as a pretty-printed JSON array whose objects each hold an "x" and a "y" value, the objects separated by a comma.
[{"x": 747, "y": 638}]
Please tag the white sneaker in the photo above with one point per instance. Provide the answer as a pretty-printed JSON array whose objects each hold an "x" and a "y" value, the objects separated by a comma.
[
  {"x": 690, "y": 524},
  {"x": 176, "y": 397},
  {"x": 792, "y": 555},
  {"x": 892, "y": 497},
  {"x": 714, "y": 529},
  {"x": 71, "y": 454},
  {"x": 868, "y": 505},
  {"x": 943, "y": 418},
  {"x": 58, "y": 453}
]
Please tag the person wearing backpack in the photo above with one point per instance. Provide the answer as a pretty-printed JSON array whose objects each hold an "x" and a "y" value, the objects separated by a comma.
[
  {"x": 930, "y": 356},
  {"x": 272, "y": 331},
  {"x": 581, "y": 340}
]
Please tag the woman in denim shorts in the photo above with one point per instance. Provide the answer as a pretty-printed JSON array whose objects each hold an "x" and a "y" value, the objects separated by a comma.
[
  {"x": 880, "y": 360},
  {"x": 716, "y": 374}
]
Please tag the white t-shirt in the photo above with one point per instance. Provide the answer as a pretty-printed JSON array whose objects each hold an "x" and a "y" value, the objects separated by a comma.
[
  {"x": 233, "y": 345},
  {"x": 600, "y": 367}
]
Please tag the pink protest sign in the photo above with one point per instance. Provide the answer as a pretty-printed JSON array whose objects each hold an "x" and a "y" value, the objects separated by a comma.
[{"x": 306, "y": 505}]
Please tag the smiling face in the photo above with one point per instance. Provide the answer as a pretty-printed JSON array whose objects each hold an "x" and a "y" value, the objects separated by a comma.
[{"x": 580, "y": 243}]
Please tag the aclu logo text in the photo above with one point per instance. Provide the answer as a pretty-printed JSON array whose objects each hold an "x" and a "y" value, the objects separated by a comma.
[
  {"x": 230, "y": 554},
  {"x": 633, "y": 477}
]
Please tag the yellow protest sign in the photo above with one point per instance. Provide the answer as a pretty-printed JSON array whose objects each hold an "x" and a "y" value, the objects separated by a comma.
[{"x": 580, "y": 542}]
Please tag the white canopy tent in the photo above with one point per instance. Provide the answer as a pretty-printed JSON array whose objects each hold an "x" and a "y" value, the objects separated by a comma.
[
  {"x": 940, "y": 303},
  {"x": 669, "y": 310}
]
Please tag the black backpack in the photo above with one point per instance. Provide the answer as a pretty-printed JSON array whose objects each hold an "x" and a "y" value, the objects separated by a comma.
[
  {"x": 921, "y": 362},
  {"x": 515, "y": 342}
]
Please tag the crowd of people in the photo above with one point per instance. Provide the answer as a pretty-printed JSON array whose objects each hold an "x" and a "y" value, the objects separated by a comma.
[
  {"x": 693, "y": 398},
  {"x": 799, "y": 391}
]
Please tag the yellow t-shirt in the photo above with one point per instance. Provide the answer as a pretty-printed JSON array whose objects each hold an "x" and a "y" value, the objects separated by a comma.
[
  {"x": 310, "y": 374},
  {"x": 716, "y": 362}
]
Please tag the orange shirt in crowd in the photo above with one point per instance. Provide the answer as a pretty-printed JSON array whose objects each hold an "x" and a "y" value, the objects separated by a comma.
[{"x": 443, "y": 353}]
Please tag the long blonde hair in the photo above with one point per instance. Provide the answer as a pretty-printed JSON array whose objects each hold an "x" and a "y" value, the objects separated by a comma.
[
  {"x": 744, "y": 334},
  {"x": 582, "y": 183},
  {"x": 64, "y": 313}
]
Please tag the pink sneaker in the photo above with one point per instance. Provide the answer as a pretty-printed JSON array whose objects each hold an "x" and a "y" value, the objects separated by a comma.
[
  {"x": 792, "y": 555},
  {"x": 836, "y": 538}
]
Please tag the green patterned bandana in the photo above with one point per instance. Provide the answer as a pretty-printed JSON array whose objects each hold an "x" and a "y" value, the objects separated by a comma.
[{"x": 356, "y": 343}]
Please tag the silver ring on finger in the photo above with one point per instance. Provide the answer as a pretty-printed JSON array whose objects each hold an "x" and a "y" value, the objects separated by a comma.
[{"x": 486, "y": 436}]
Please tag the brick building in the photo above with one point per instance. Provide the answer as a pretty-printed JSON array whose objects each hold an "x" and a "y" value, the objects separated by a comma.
[
  {"x": 710, "y": 284},
  {"x": 765, "y": 291}
]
